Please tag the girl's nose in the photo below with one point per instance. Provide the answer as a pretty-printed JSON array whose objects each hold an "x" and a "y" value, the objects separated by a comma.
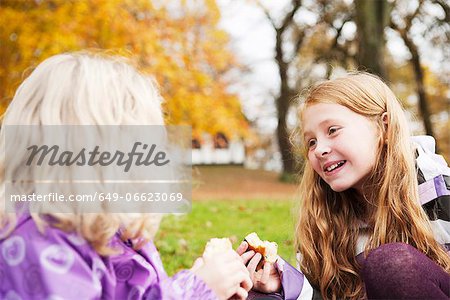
[{"x": 322, "y": 149}]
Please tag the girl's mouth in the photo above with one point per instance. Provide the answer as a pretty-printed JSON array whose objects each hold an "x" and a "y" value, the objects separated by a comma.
[{"x": 335, "y": 166}]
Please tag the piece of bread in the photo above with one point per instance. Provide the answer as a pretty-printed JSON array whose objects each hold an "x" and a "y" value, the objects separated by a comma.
[
  {"x": 267, "y": 249},
  {"x": 217, "y": 245}
]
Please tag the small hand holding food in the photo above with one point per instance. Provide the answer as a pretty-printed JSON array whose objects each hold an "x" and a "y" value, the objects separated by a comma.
[
  {"x": 221, "y": 268},
  {"x": 257, "y": 253}
]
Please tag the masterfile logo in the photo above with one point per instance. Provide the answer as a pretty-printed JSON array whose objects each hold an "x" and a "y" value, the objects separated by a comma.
[{"x": 146, "y": 157}]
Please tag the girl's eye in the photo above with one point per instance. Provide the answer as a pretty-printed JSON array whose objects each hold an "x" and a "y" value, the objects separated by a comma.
[
  {"x": 311, "y": 143},
  {"x": 332, "y": 130}
]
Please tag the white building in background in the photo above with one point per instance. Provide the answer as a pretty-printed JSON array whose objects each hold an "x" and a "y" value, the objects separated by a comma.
[{"x": 218, "y": 150}]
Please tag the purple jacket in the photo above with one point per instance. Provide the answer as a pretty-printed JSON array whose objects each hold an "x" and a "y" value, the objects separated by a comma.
[{"x": 58, "y": 265}]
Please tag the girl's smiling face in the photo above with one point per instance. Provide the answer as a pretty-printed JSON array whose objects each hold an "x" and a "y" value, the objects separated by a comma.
[{"x": 341, "y": 145}]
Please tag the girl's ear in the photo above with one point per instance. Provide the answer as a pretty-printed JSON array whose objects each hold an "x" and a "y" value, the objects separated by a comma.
[{"x": 384, "y": 118}]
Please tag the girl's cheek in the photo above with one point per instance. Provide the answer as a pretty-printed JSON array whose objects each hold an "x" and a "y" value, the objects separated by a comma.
[
  {"x": 312, "y": 160},
  {"x": 315, "y": 165}
]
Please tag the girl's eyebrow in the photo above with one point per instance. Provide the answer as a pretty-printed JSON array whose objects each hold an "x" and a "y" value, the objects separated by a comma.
[
  {"x": 326, "y": 121},
  {"x": 306, "y": 133}
]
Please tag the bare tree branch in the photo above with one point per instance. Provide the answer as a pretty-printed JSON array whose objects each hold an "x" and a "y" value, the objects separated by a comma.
[
  {"x": 268, "y": 16},
  {"x": 289, "y": 18},
  {"x": 297, "y": 44},
  {"x": 335, "y": 45},
  {"x": 410, "y": 17},
  {"x": 445, "y": 7}
]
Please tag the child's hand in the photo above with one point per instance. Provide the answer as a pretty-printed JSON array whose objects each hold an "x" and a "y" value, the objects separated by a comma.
[
  {"x": 225, "y": 274},
  {"x": 267, "y": 279}
]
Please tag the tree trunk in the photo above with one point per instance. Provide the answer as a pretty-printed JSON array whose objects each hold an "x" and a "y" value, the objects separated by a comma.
[
  {"x": 371, "y": 19},
  {"x": 418, "y": 75},
  {"x": 283, "y": 103},
  {"x": 286, "y": 93},
  {"x": 283, "y": 135},
  {"x": 418, "y": 71}
]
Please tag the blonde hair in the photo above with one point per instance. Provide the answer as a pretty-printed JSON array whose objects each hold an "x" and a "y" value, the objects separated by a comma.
[
  {"x": 329, "y": 226},
  {"x": 85, "y": 89}
]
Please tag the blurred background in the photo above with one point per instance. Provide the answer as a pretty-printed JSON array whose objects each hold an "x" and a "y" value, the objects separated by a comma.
[{"x": 232, "y": 69}]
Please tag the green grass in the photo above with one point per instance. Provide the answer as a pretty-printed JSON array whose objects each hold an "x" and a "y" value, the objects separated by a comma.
[{"x": 181, "y": 238}]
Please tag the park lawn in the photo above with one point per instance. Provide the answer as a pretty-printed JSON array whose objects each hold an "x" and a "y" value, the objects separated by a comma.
[{"x": 181, "y": 238}]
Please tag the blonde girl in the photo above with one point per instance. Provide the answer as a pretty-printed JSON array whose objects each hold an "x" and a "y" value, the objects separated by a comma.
[{"x": 98, "y": 255}]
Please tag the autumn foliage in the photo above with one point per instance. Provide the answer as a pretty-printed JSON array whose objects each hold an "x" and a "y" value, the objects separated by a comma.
[{"x": 178, "y": 42}]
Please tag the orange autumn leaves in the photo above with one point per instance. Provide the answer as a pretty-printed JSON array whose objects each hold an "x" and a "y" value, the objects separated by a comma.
[{"x": 178, "y": 42}]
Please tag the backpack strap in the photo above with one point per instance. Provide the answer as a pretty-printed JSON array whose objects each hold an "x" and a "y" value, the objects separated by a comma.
[{"x": 434, "y": 187}]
